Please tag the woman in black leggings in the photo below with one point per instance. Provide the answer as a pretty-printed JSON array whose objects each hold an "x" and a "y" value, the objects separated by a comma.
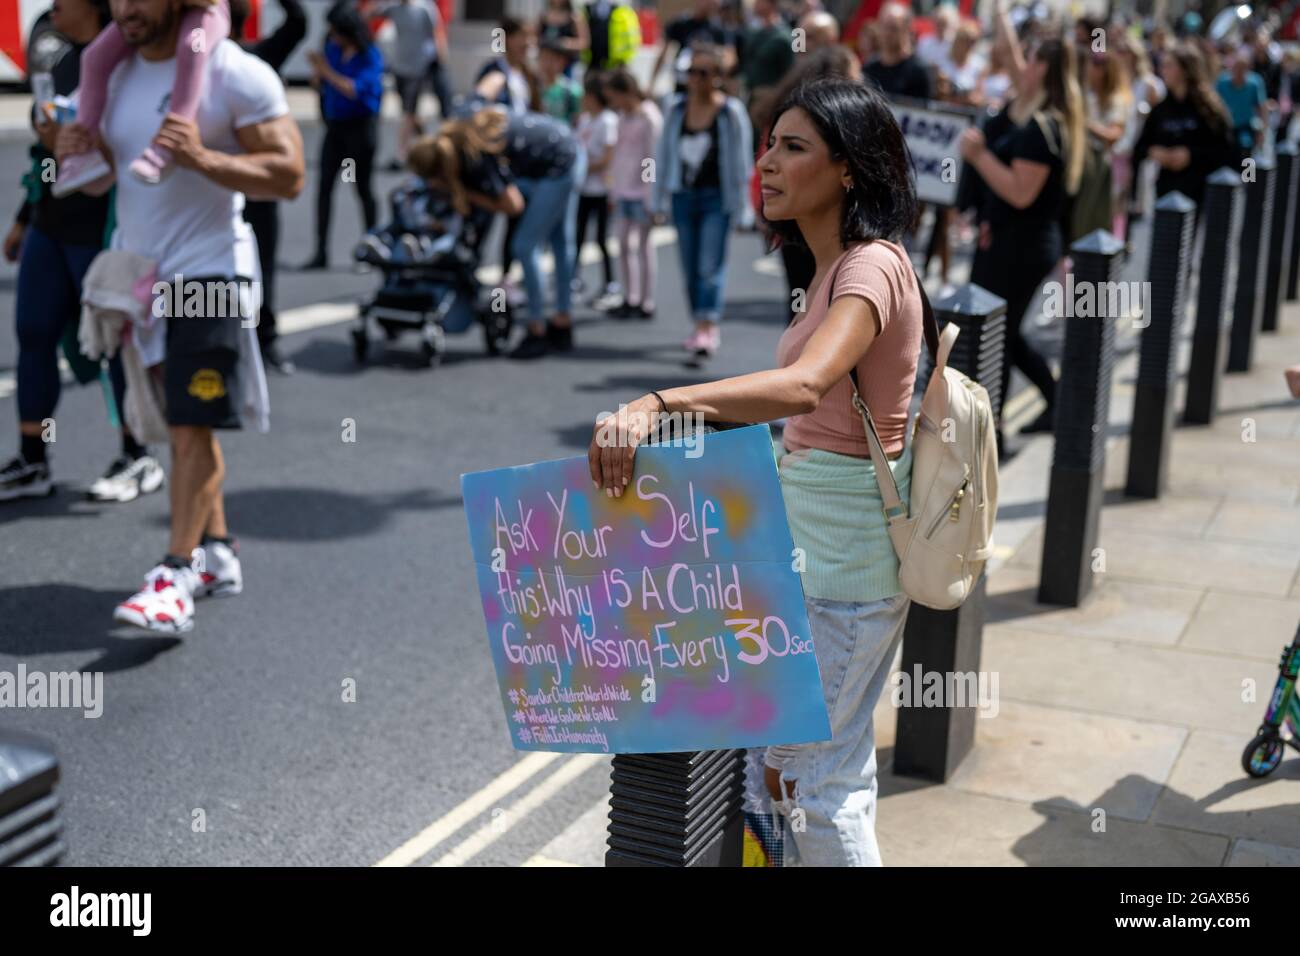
[
  {"x": 350, "y": 74},
  {"x": 1029, "y": 157}
]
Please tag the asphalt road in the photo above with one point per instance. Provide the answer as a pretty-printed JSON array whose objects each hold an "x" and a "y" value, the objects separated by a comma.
[{"x": 356, "y": 567}]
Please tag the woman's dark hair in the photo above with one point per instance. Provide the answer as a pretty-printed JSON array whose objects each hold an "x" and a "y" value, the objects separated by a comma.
[
  {"x": 344, "y": 20},
  {"x": 857, "y": 126},
  {"x": 510, "y": 26},
  {"x": 622, "y": 81},
  {"x": 1200, "y": 87},
  {"x": 594, "y": 86}
]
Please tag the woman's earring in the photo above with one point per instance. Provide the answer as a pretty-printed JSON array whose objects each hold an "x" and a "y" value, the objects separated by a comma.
[{"x": 848, "y": 186}]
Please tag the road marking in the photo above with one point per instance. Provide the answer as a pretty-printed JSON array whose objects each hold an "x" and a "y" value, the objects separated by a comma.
[
  {"x": 477, "y": 803},
  {"x": 1020, "y": 407},
  {"x": 307, "y": 317},
  {"x": 540, "y": 860},
  {"x": 489, "y": 833}
]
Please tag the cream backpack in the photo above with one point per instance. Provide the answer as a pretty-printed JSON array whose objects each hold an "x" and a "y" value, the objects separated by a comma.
[{"x": 943, "y": 542}]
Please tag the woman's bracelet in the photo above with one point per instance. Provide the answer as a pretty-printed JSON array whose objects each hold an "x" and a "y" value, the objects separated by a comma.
[{"x": 663, "y": 406}]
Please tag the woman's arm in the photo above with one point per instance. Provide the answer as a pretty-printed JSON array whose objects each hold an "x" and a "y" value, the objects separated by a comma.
[
  {"x": 510, "y": 201},
  {"x": 583, "y": 39},
  {"x": 1108, "y": 133},
  {"x": 834, "y": 348},
  {"x": 1006, "y": 34}
]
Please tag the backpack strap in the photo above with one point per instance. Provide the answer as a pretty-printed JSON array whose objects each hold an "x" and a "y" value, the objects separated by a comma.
[{"x": 894, "y": 508}]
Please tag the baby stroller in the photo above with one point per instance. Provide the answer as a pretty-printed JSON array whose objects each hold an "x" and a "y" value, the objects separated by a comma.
[
  {"x": 1264, "y": 752},
  {"x": 428, "y": 254}
]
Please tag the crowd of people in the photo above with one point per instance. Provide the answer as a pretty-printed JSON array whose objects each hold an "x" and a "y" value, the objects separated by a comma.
[{"x": 775, "y": 118}]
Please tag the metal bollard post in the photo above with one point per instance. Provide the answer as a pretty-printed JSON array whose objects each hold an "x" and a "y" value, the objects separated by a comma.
[
  {"x": 1083, "y": 403},
  {"x": 682, "y": 809},
  {"x": 677, "y": 809},
  {"x": 931, "y": 742},
  {"x": 1252, "y": 266},
  {"x": 1216, "y": 284},
  {"x": 1172, "y": 234},
  {"x": 1282, "y": 232}
]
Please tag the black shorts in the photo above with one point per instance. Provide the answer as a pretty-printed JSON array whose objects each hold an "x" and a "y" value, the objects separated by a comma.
[
  {"x": 201, "y": 370},
  {"x": 408, "y": 90}
]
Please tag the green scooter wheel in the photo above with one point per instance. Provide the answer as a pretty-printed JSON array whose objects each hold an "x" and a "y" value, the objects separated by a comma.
[{"x": 1262, "y": 754}]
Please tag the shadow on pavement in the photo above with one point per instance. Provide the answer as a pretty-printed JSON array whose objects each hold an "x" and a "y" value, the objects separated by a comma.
[
  {"x": 319, "y": 514},
  {"x": 66, "y": 501},
  {"x": 1063, "y": 830},
  {"x": 73, "y": 619}
]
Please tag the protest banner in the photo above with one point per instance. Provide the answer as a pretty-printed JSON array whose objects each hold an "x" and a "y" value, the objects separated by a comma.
[
  {"x": 669, "y": 619},
  {"x": 932, "y": 131}
]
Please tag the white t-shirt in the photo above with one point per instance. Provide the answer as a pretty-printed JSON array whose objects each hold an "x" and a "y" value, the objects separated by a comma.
[
  {"x": 188, "y": 223},
  {"x": 931, "y": 50},
  {"x": 597, "y": 134}
]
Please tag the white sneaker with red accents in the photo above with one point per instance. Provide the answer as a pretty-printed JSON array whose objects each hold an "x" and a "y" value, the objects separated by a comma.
[
  {"x": 218, "y": 568},
  {"x": 165, "y": 604}
]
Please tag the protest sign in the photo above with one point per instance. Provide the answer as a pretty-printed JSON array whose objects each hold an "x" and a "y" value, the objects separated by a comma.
[
  {"x": 932, "y": 132},
  {"x": 669, "y": 619}
]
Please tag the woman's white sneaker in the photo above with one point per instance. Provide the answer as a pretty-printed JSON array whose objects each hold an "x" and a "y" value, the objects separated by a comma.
[
  {"x": 25, "y": 479},
  {"x": 127, "y": 479}
]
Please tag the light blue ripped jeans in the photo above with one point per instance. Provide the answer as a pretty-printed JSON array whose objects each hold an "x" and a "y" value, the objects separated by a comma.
[{"x": 835, "y": 780}]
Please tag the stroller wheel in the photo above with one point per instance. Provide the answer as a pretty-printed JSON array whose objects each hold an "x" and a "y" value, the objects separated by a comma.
[
  {"x": 496, "y": 331},
  {"x": 1263, "y": 754},
  {"x": 433, "y": 345},
  {"x": 360, "y": 345}
]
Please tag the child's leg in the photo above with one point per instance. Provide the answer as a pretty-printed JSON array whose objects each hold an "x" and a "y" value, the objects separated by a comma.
[
  {"x": 200, "y": 32},
  {"x": 646, "y": 252},
  {"x": 104, "y": 53}
]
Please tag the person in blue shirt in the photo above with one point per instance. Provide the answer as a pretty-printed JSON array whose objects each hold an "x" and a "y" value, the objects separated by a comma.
[
  {"x": 350, "y": 76},
  {"x": 1242, "y": 91}
]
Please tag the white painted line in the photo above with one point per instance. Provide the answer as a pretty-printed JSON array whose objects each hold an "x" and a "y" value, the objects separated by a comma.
[
  {"x": 307, "y": 317},
  {"x": 539, "y": 860},
  {"x": 489, "y": 833},
  {"x": 477, "y": 803}
]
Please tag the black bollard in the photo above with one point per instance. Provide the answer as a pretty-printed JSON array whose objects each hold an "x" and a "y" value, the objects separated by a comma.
[
  {"x": 677, "y": 809},
  {"x": 1281, "y": 234},
  {"x": 1172, "y": 234},
  {"x": 931, "y": 742},
  {"x": 1293, "y": 260},
  {"x": 1252, "y": 266},
  {"x": 1082, "y": 409},
  {"x": 1224, "y": 209}
]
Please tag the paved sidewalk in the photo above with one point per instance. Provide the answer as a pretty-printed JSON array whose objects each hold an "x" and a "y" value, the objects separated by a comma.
[{"x": 1120, "y": 725}]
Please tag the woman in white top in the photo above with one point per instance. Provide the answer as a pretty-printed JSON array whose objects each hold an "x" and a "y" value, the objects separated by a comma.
[
  {"x": 1148, "y": 90},
  {"x": 1108, "y": 103}
]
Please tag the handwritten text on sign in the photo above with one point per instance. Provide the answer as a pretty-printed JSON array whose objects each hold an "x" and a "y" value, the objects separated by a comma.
[
  {"x": 669, "y": 619},
  {"x": 932, "y": 138}
]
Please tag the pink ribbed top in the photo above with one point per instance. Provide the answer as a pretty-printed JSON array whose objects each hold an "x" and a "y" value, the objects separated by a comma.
[{"x": 881, "y": 273}]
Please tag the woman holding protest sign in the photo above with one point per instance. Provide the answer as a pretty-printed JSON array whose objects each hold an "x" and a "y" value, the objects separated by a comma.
[{"x": 836, "y": 178}]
